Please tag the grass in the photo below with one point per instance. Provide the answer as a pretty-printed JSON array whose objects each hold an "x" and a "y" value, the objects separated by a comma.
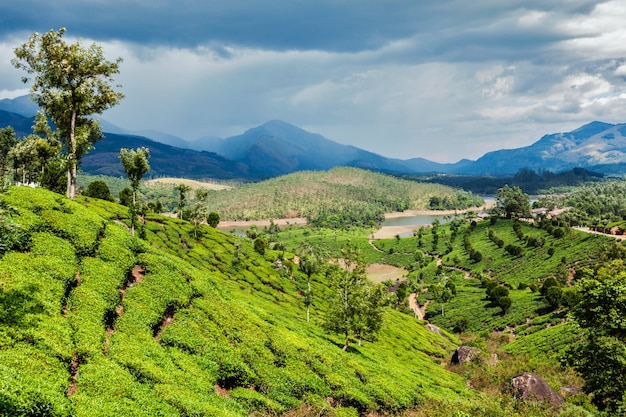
[{"x": 200, "y": 322}]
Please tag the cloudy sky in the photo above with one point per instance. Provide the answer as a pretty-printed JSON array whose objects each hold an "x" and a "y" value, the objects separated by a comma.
[{"x": 439, "y": 79}]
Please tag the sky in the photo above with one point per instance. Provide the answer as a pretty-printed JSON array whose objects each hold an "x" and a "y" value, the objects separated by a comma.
[{"x": 437, "y": 79}]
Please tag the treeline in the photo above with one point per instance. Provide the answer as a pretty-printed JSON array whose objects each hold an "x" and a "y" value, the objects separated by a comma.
[
  {"x": 599, "y": 205},
  {"x": 336, "y": 198},
  {"x": 530, "y": 181}
]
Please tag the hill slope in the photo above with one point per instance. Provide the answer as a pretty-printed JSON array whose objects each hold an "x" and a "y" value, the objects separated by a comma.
[
  {"x": 98, "y": 323},
  {"x": 325, "y": 195},
  {"x": 165, "y": 160}
]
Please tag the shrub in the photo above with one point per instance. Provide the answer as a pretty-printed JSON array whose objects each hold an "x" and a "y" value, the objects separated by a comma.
[
  {"x": 513, "y": 250},
  {"x": 98, "y": 189},
  {"x": 260, "y": 245},
  {"x": 213, "y": 219}
]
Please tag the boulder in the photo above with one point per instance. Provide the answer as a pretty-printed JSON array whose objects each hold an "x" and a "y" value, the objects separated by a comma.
[
  {"x": 434, "y": 329},
  {"x": 532, "y": 387},
  {"x": 464, "y": 354}
]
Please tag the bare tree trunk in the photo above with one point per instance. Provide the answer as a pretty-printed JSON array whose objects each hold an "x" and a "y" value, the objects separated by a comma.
[
  {"x": 71, "y": 170},
  {"x": 308, "y": 306},
  {"x": 133, "y": 215}
]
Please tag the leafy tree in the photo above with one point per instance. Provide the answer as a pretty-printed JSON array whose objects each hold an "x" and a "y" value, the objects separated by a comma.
[
  {"x": 198, "y": 215},
  {"x": 70, "y": 83},
  {"x": 369, "y": 317},
  {"x": 135, "y": 164},
  {"x": 54, "y": 177},
  {"x": 24, "y": 158},
  {"x": 600, "y": 357},
  {"x": 31, "y": 155},
  {"x": 202, "y": 194},
  {"x": 182, "y": 189},
  {"x": 504, "y": 303},
  {"x": 7, "y": 141},
  {"x": 126, "y": 197},
  {"x": 213, "y": 219},
  {"x": 260, "y": 245},
  {"x": 311, "y": 263},
  {"x": 512, "y": 202},
  {"x": 401, "y": 296},
  {"x": 354, "y": 299},
  {"x": 442, "y": 294},
  {"x": 98, "y": 189},
  {"x": 156, "y": 206}
]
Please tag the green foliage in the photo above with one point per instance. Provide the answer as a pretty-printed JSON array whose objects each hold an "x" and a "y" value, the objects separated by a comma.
[
  {"x": 210, "y": 317},
  {"x": 341, "y": 197},
  {"x": 70, "y": 82},
  {"x": 213, "y": 219},
  {"x": 356, "y": 306},
  {"x": 601, "y": 357},
  {"x": 98, "y": 189},
  {"x": 511, "y": 202},
  {"x": 135, "y": 163},
  {"x": 7, "y": 141}
]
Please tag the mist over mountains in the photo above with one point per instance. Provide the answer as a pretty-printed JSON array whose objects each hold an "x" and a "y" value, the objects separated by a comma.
[{"x": 277, "y": 148}]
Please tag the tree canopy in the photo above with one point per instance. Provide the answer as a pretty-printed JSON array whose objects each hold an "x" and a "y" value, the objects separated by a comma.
[
  {"x": 357, "y": 307},
  {"x": 601, "y": 355},
  {"x": 512, "y": 202},
  {"x": 69, "y": 83}
]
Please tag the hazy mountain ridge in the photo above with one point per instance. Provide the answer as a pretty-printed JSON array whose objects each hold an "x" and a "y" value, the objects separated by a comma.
[
  {"x": 594, "y": 146},
  {"x": 277, "y": 148}
]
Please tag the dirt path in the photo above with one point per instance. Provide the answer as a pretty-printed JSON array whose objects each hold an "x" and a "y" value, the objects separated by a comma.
[
  {"x": 466, "y": 274},
  {"x": 371, "y": 242},
  {"x": 420, "y": 311},
  {"x": 136, "y": 276},
  {"x": 168, "y": 317}
]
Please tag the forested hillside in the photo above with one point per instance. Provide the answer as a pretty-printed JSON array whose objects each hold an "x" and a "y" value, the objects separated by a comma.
[{"x": 335, "y": 198}]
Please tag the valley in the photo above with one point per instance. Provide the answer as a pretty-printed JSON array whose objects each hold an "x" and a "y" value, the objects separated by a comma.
[
  {"x": 279, "y": 273},
  {"x": 330, "y": 291},
  {"x": 221, "y": 322}
]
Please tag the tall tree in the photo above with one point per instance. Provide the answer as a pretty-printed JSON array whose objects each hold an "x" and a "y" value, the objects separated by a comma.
[
  {"x": 600, "y": 355},
  {"x": 182, "y": 189},
  {"x": 24, "y": 157},
  {"x": 311, "y": 263},
  {"x": 135, "y": 163},
  {"x": 512, "y": 202},
  {"x": 7, "y": 141},
  {"x": 352, "y": 304},
  {"x": 70, "y": 83}
]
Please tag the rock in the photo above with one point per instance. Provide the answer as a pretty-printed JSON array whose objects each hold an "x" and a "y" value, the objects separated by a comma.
[
  {"x": 532, "y": 387},
  {"x": 464, "y": 354},
  {"x": 434, "y": 329},
  {"x": 570, "y": 390}
]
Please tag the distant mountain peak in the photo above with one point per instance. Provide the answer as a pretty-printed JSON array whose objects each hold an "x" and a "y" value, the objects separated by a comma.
[{"x": 595, "y": 125}]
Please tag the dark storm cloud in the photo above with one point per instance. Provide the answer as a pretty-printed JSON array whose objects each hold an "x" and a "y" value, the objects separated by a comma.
[
  {"x": 441, "y": 79},
  {"x": 449, "y": 27}
]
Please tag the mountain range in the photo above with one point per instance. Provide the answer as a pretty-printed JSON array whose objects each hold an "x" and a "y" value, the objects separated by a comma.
[{"x": 277, "y": 148}]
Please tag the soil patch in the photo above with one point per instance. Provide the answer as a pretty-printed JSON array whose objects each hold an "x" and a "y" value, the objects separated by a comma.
[
  {"x": 380, "y": 272},
  {"x": 229, "y": 224}
]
